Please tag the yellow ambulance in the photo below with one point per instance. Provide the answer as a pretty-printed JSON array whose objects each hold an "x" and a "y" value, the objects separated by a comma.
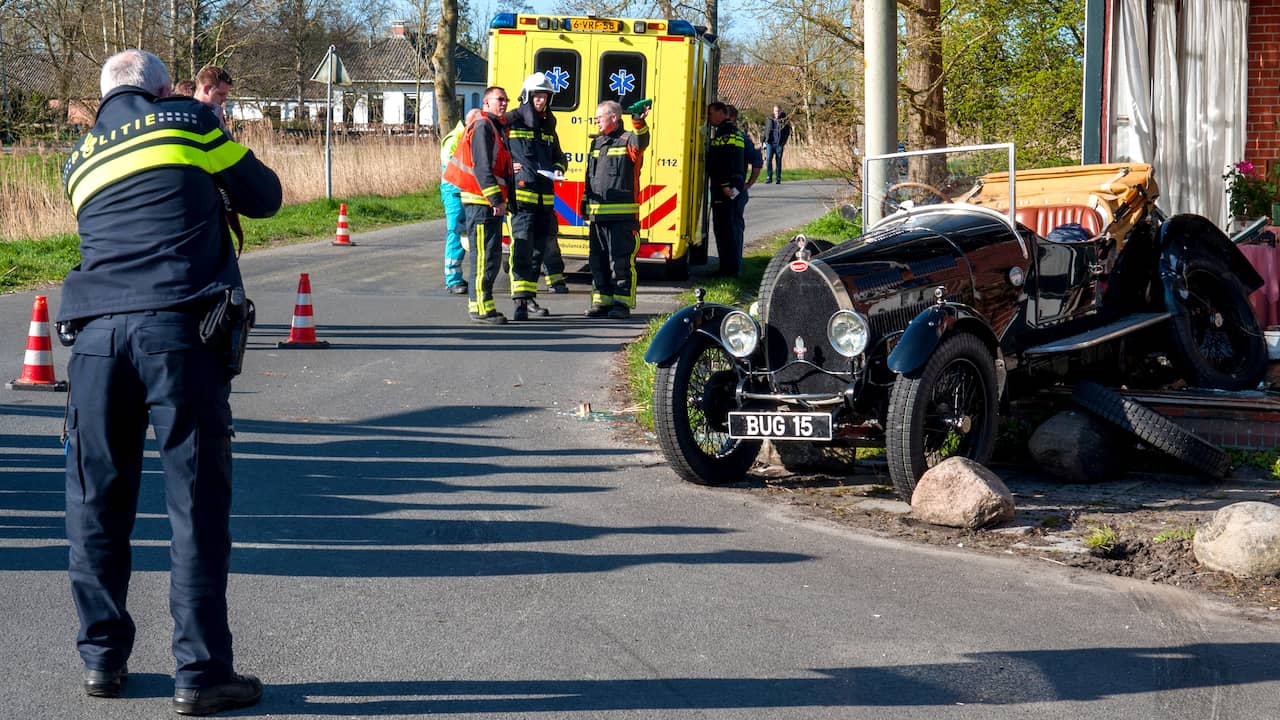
[{"x": 592, "y": 59}]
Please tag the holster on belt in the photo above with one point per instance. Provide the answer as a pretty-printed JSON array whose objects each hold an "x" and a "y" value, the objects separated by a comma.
[{"x": 225, "y": 327}]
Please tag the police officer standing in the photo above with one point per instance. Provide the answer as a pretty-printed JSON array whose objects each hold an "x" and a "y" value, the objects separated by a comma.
[
  {"x": 155, "y": 307},
  {"x": 481, "y": 168},
  {"x": 726, "y": 166},
  {"x": 754, "y": 164},
  {"x": 613, "y": 179},
  {"x": 535, "y": 152}
]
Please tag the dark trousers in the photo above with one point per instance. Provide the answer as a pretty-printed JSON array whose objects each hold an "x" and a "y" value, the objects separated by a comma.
[
  {"x": 485, "y": 232},
  {"x": 125, "y": 370},
  {"x": 727, "y": 224},
  {"x": 533, "y": 231},
  {"x": 611, "y": 253}
]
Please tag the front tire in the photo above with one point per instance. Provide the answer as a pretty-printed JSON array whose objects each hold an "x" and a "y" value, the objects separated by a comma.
[
  {"x": 1215, "y": 335},
  {"x": 945, "y": 409},
  {"x": 692, "y": 397}
]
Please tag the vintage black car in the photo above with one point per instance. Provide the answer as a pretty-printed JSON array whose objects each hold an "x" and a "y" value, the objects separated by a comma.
[{"x": 915, "y": 334}]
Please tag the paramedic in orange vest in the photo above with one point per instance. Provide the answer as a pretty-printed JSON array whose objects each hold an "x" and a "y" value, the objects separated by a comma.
[
  {"x": 481, "y": 168},
  {"x": 613, "y": 177}
]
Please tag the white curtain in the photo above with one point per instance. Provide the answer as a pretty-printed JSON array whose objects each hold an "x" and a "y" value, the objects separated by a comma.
[
  {"x": 1193, "y": 125},
  {"x": 1131, "y": 137}
]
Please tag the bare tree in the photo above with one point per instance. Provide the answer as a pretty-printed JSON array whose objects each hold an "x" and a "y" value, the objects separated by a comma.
[{"x": 445, "y": 66}]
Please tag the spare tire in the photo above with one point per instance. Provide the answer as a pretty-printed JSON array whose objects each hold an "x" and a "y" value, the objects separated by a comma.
[{"x": 1153, "y": 429}]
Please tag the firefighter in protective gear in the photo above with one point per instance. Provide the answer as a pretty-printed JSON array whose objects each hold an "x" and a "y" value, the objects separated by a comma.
[
  {"x": 481, "y": 168},
  {"x": 535, "y": 152},
  {"x": 613, "y": 179}
]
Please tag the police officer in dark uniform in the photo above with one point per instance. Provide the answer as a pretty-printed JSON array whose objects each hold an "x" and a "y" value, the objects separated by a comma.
[
  {"x": 153, "y": 311},
  {"x": 726, "y": 166}
]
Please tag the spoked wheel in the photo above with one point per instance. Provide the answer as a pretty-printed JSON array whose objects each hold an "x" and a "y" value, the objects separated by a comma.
[
  {"x": 692, "y": 397},
  {"x": 1214, "y": 332},
  {"x": 917, "y": 193},
  {"x": 945, "y": 409}
]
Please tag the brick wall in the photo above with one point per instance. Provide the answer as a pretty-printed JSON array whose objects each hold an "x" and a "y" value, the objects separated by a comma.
[{"x": 1262, "y": 144}]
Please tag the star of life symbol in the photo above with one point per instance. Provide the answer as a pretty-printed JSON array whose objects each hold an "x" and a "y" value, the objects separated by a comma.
[
  {"x": 622, "y": 82},
  {"x": 558, "y": 77}
]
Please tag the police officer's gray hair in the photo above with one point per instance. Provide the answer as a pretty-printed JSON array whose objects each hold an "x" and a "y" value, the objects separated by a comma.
[
  {"x": 612, "y": 107},
  {"x": 135, "y": 67}
]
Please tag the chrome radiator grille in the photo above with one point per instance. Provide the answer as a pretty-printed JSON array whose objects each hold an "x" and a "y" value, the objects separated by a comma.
[{"x": 799, "y": 307}]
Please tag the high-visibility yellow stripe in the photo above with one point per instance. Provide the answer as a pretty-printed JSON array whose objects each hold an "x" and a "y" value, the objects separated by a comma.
[
  {"x": 522, "y": 134},
  {"x": 149, "y": 158},
  {"x": 107, "y": 153},
  {"x": 619, "y": 150},
  {"x": 594, "y": 208},
  {"x": 530, "y": 197}
]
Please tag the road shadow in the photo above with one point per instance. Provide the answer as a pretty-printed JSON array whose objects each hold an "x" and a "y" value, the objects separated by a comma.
[
  {"x": 369, "y": 503},
  {"x": 983, "y": 678}
]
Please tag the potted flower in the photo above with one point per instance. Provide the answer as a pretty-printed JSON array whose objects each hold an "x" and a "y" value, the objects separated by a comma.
[{"x": 1249, "y": 192}]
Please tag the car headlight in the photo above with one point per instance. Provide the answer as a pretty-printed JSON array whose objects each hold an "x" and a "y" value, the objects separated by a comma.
[
  {"x": 739, "y": 334},
  {"x": 849, "y": 332}
]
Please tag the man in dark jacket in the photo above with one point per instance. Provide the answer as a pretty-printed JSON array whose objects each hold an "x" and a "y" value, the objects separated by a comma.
[
  {"x": 537, "y": 158},
  {"x": 611, "y": 207},
  {"x": 481, "y": 168},
  {"x": 153, "y": 186},
  {"x": 777, "y": 130},
  {"x": 726, "y": 167}
]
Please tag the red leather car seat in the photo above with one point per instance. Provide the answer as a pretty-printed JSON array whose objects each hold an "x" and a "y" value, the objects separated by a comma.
[{"x": 1044, "y": 218}]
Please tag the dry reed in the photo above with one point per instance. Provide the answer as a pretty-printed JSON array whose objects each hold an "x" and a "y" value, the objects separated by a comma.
[{"x": 32, "y": 204}]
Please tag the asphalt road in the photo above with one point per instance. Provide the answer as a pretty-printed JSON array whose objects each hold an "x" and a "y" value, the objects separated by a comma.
[{"x": 424, "y": 526}]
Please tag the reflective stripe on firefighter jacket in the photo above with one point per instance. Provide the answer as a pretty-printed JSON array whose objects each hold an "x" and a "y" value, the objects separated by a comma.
[
  {"x": 613, "y": 173},
  {"x": 726, "y": 159},
  {"x": 535, "y": 146},
  {"x": 481, "y": 164}
]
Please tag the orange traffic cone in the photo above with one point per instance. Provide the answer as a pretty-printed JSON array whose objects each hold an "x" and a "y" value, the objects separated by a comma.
[
  {"x": 343, "y": 236},
  {"x": 302, "y": 332},
  {"x": 37, "y": 366}
]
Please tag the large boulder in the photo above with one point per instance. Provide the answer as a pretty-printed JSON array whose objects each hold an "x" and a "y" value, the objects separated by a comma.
[
  {"x": 1242, "y": 539},
  {"x": 959, "y": 492},
  {"x": 1077, "y": 447}
]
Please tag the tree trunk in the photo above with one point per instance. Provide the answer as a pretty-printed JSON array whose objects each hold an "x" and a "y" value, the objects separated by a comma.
[
  {"x": 926, "y": 112},
  {"x": 173, "y": 36},
  {"x": 443, "y": 61}
]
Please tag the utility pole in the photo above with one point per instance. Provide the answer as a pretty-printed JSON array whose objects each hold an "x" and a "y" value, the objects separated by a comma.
[{"x": 880, "y": 46}]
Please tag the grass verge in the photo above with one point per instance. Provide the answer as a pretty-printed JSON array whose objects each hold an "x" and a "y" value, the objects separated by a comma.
[
  {"x": 740, "y": 291},
  {"x": 26, "y": 264}
]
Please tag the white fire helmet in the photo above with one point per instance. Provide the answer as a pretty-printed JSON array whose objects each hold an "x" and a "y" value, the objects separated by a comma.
[{"x": 536, "y": 82}]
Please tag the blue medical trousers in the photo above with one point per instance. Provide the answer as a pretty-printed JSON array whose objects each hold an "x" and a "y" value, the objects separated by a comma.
[
  {"x": 454, "y": 219},
  {"x": 127, "y": 370}
]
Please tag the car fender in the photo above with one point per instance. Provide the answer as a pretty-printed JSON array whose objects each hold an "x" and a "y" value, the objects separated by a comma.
[
  {"x": 1182, "y": 236},
  {"x": 681, "y": 326},
  {"x": 928, "y": 328}
]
